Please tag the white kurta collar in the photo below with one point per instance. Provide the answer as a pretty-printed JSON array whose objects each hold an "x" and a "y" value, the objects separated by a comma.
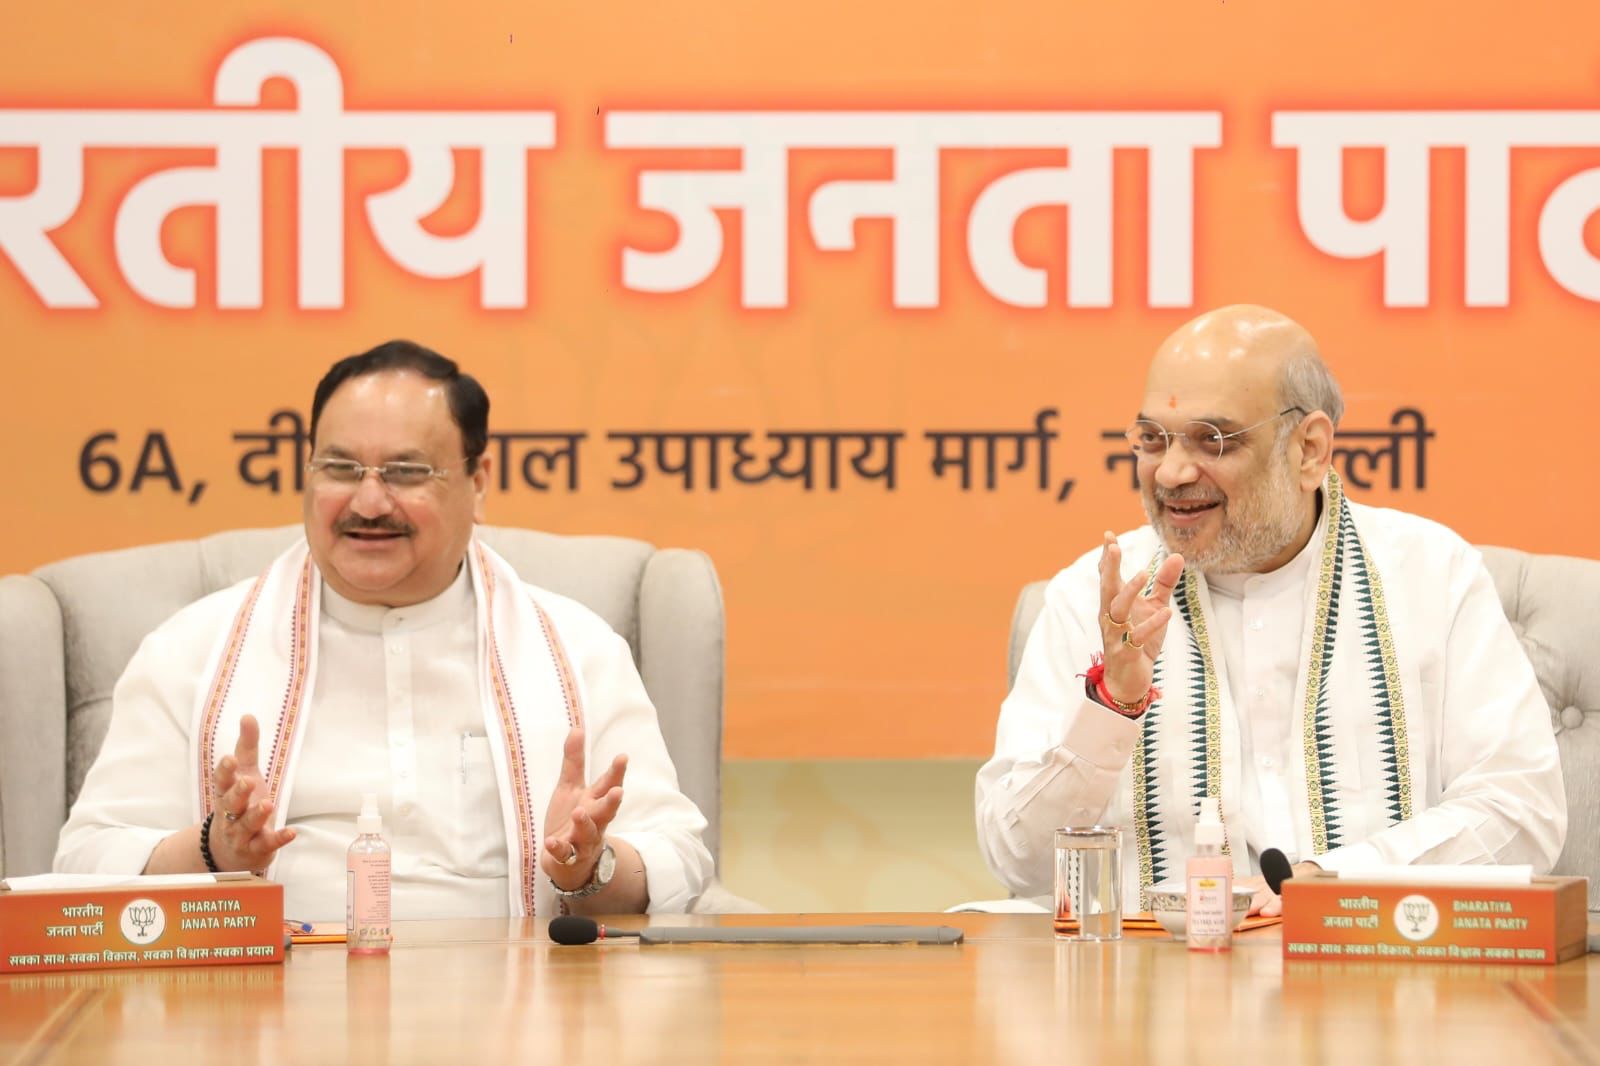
[
  {"x": 453, "y": 602},
  {"x": 1292, "y": 574}
]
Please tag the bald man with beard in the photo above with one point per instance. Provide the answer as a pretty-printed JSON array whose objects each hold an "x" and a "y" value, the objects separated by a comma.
[{"x": 1341, "y": 677}]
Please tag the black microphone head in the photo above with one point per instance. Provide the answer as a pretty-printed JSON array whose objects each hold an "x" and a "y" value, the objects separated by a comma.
[
  {"x": 572, "y": 929},
  {"x": 1274, "y": 867}
]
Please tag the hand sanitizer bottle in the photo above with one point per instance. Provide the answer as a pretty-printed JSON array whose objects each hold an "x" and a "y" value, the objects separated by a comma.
[
  {"x": 366, "y": 920},
  {"x": 1210, "y": 879}
]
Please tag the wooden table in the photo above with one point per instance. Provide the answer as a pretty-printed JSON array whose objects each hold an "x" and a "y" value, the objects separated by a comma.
[{"x": 497, "y": 991}]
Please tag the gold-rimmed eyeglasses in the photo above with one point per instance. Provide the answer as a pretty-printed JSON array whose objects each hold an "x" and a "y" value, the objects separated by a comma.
[
  {"x": 1150, "y": 440},
  {"x": 395, "y": 475}
]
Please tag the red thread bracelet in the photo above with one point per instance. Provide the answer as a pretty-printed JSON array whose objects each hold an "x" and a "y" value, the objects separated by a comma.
[{"x": 1096, "y": 676}]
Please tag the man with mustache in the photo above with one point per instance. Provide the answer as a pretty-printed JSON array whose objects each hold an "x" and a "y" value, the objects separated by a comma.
[
  {"x": 391, "y": 652},
  {"x": 1342, "y": 678}
]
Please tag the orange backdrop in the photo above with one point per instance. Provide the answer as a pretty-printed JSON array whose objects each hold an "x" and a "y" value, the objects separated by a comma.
[{"x": 863, "y": 621}]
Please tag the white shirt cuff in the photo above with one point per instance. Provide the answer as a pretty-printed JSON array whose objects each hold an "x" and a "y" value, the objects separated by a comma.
[
  {"x": 666, "y": 881},
  {"x": 1101, "y": 735},
  {"x": 115, "y": 850}
]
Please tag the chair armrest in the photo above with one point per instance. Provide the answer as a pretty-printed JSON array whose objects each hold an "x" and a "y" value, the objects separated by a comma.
[
  {"x": 1029, "y": 604},
  {"x": 33, "y": 725},
  {"x": 681, "y": 664}
]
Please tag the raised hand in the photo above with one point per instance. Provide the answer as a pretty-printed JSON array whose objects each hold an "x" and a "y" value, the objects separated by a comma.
[
  {"x": 575, "y": 823},
  {"x": 1133, "y": 625},
  {"x": 242, "y": 837}
]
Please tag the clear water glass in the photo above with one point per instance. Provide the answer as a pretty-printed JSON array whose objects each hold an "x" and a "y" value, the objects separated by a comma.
[{"x": 1089, "y": 883}]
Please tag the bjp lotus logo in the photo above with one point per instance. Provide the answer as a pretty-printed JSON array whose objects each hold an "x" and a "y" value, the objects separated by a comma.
[
  {"x": 143, "y": 921},
  {"x": 1416, "y": 918}
]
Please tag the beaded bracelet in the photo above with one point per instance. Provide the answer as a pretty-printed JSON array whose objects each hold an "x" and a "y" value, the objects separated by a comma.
[{"x": 205, "y": 844}]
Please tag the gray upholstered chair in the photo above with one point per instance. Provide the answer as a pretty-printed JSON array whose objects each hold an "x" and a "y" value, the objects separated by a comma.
[
  {"x": 1550, "y": 600},
  {"x": 68, "y": 630}
]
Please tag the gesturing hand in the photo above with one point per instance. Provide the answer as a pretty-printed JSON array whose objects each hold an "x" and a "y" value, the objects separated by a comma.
[
  {"x": 575, "y": 823},
  {"x": 1133, "y": 625},
  {"x": 241, "y": 835}
]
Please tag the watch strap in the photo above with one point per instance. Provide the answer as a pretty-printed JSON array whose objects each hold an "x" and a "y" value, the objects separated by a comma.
[{"x": 606, "y": 865}]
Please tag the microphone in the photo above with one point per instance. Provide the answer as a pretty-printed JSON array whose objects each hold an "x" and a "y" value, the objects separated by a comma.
[
  {"x": 573, "y": 929},
  {"x": 1276, "y": 869}
]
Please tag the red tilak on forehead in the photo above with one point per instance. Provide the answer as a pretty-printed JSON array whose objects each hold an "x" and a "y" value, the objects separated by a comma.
[{"x": 1172, "y": 401}]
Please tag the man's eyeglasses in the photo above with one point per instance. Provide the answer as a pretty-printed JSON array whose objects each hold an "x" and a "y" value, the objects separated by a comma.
[
  {"x": 1150, "y": 440},
  {"x": 397, "y": 475}
]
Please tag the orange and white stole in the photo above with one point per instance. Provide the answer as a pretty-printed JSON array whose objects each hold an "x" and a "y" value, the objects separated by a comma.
[{"x": 266, "y": 665}]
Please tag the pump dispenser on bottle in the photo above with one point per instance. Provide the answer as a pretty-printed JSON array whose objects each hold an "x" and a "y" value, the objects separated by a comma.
[
  {"x": 1210, "y": 880},
  {"x": 367, "y": 885}
]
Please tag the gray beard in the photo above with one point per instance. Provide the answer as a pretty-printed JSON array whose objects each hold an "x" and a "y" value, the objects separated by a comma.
[{"x": 1255, "y": 530}]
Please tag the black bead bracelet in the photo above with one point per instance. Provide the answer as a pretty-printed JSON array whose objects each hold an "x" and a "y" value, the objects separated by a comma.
[{"x": 205, "y": 844}]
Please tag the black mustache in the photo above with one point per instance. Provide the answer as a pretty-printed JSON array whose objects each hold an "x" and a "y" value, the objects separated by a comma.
[{"x": 381, "y": 525}]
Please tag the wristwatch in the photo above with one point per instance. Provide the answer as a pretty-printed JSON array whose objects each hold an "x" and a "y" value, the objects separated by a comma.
[{"x": 602, "y": 875}]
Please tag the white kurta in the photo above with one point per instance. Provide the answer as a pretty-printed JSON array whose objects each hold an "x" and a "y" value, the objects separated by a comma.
[
  {"x": 395, "y": 711},
  {"x": 1488, "y": 786}
]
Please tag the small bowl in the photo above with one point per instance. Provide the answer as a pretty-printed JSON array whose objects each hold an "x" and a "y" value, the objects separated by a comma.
[{"x": 1169, "y": 902}]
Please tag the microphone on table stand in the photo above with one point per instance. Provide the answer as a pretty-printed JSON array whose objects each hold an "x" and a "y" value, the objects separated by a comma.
[
  {"x": 1275, "y": 869},
  {"x": 573, "y": 929}
]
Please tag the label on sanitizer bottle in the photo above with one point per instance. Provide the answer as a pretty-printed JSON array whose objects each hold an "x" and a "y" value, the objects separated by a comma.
[{"x": 1210, "y": 906}]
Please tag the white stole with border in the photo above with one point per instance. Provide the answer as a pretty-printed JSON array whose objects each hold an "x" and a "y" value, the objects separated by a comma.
[{"x": 266, "y": 665}]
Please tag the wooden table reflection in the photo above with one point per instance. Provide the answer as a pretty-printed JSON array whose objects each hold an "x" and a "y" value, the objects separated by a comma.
[{"x": 496, "y": 991}]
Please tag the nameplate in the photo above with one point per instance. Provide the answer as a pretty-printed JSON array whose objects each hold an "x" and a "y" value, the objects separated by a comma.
[
  {"x": 1540, "y": 923},
  {"x": 139, "y": 926}
]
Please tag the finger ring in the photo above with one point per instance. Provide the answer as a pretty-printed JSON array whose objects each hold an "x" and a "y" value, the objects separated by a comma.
[
  {"x": 1113, "y": 623},
  {"x": 1127, "y": 638},
  {"x": 572, "y": 859},
  {"x": 230, "y": 816}
]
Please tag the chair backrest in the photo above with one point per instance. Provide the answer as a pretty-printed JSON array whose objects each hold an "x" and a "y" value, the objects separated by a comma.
[
  {"x": 68, "y": 630},
  {"x": 1550, "y": 601}
]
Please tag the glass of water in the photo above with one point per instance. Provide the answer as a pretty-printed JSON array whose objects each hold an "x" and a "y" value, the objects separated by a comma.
[{"x": 1089, "y": 883}]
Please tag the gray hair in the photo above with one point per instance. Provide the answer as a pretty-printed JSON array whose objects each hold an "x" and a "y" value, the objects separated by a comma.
[{"x": 1308, "y": 384}]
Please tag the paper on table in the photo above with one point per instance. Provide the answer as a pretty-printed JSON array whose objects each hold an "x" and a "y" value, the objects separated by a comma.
[
  {"x": 316, "y": 932},
  {"x": 999, "y": 906},
  {"x": 1146, "y": 920},
  {"x": 70, "y": 882},
  {"x": 1477, "y": 876},
  {"x": 1137, "y": 922}
]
